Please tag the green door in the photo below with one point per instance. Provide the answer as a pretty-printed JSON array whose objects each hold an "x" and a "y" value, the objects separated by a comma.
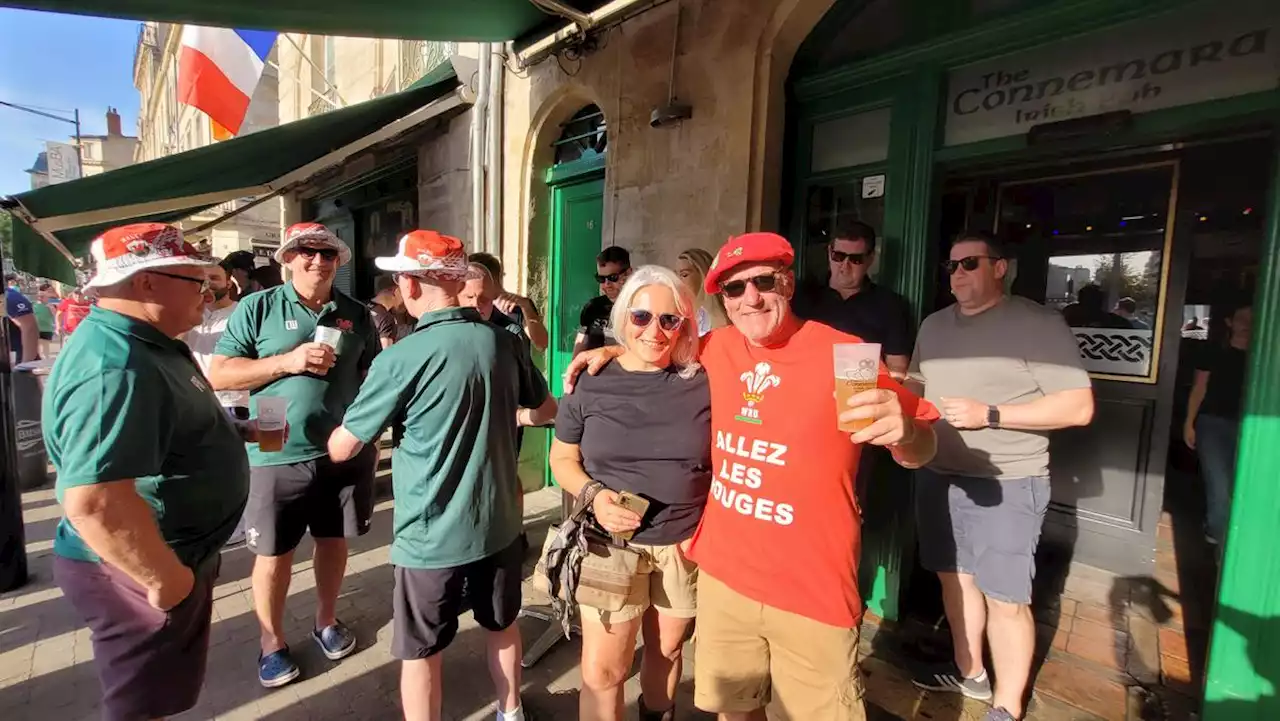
[{"x": 575, "y": 242}]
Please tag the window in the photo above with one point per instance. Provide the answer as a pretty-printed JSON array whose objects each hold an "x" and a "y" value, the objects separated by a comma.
[
  {"x": 583, "y": 135},
  {"x": 851, "y": 140}
]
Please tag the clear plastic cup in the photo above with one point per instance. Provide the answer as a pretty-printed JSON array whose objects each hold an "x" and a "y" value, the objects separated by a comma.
[
  {"x": 331, "y": 337},
  {"x": 271, "y": 423},
  {"x": 857, "y": 368}
]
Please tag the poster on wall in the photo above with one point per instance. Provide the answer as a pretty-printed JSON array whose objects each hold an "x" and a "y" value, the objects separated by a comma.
[{"x": 1201, "y": 53}]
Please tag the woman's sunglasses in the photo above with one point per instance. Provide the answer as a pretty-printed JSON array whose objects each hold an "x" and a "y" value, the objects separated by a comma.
[
  {"x": 666, "y": 321},
  {"x": 763, "y": 283},
  {"x": 308, "y": 252},
  {"x": 969, "y": 263}
]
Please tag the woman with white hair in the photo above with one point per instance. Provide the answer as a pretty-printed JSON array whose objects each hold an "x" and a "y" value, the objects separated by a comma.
[{"x": 641, "y": 427}]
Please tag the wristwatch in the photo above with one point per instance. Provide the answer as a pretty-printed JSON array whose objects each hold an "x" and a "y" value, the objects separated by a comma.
[{"x": 993, "y": 417}]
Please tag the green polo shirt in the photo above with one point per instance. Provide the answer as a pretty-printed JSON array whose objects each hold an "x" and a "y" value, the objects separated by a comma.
[
  {"x": 457, "y": 382},
  {"x": 124, "y": 401},
  {"x": 274, "y": 322}
]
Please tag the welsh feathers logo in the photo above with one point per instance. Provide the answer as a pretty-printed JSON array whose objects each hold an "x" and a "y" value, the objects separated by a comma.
[
  {"x": 345, "y": 325},
  {"x": 757, "y": 381}
]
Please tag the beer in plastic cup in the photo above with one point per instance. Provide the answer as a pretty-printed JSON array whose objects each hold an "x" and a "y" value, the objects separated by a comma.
[
  {"x": 331, "y": 337},
  {"x": 857, "y": 368},
  {"x": 271, "y": 423}
]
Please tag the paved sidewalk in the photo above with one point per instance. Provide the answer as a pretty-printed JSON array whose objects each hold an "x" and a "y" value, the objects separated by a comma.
[{"x": 45, "y": 655}]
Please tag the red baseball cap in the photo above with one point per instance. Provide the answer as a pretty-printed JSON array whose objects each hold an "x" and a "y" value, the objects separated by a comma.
[{"x": 748, "y": 248}]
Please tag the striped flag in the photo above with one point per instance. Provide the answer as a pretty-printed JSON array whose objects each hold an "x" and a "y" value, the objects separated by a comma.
[{"x": 218, "y": 70}]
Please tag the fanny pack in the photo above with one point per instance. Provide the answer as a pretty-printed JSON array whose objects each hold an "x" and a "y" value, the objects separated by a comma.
[{"x": 580, "y": 563}]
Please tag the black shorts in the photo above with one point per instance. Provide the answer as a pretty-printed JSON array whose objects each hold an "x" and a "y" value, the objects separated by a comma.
[
  {"x": 331, "y": 500},
  {"x": 151, "y": 663},
  {"x": 46, "y": 335},
  {"x": 427, "y": 601}
]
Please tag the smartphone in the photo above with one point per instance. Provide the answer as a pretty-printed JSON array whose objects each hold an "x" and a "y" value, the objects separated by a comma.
[{"x": 634, "y": 503}]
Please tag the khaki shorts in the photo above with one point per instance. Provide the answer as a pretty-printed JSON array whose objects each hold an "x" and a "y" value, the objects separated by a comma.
[
  {"x": 750, "y": 655},
  {"x": 665, "y": 580}
]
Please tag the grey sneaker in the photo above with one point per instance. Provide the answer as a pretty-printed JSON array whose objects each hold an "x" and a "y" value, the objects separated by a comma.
[
  {"x": 946, "y": 677},
  {"x": 998, "y": 714}
]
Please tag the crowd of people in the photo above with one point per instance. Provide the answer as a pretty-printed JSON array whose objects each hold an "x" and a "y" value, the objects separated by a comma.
[{"x": 705, "y": 390}]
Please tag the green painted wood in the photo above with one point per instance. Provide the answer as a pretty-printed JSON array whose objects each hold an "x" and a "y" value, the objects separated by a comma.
[
  {"x": 590, "y": 165},
  {"x": 1243, "y": 678},
  {"x": 576, "y": 221},
  {"x": 998, "y": 36}
]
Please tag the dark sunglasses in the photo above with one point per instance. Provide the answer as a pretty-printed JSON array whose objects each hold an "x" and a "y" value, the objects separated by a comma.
[
  {"x": 763, "y": 283},
  {"x": 203, "y": 283},
  {"x": 307, "y": 251},
  {"x": 968, "y": 263},
  {"x": 666, "y": 321},
  {"x": 855, "y": 258},
  {"x": 611, "y": 278}
]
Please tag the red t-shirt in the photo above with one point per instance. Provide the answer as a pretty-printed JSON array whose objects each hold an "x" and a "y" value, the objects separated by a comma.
[
  {"x": 782, "y": 525},
  {"x": 72, "y": 313}
]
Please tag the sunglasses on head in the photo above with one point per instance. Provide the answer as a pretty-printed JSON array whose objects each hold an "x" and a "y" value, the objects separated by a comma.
[
  {"x": 611, "y": 278},
  {"x": 307, "y": 251},
  {"x": 666, "y": 321},
  {"x": 763, "y": 283},
  {"x": 968, "y": 263},
  {"x": 855, "y": 258}
]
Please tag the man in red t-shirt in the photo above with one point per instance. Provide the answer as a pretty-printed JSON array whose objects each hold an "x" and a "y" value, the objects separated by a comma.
[{"x": 778, "y": 546}]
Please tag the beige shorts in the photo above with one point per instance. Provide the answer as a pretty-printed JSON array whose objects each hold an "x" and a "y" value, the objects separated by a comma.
[
  {"x": 665, "y": 580},
  {"x": 750, "y": 656}
]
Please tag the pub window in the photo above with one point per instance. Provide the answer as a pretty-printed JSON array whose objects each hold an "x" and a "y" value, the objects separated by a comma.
[{"x": 1094, "y": 246}]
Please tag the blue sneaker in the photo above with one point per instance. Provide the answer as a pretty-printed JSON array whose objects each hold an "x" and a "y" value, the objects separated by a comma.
[
  {"x": 336, "y": 641},
  {"x": 277, "y": 669}
]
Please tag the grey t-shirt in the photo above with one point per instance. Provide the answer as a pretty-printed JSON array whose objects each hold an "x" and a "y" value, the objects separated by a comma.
[
  {"x": 1013, "y": 353},
  {"x": 647, "y": 433}
]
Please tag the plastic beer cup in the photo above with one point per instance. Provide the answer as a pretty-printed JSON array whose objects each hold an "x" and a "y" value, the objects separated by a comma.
[
  {"x": 857, "y": 367},
  {"x": 331, "y": 337},
  {"x": 271, "y": 423}
]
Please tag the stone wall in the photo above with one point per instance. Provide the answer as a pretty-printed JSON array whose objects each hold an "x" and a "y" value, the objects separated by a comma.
[
  {"x": 669, "y": 188},
  {"x": 444, "y": 181}
]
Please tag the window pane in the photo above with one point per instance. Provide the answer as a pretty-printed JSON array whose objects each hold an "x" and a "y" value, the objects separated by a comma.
[
  {"x": 828, "y": 207},
  {"x": 851, "y": 140}
]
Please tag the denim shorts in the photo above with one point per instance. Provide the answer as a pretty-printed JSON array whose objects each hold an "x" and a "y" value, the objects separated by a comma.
[{"x": 986, "y": 527}]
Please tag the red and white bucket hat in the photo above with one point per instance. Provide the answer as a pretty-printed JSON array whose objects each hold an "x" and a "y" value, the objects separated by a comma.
[
  {"x": 121, "y": 252},
  {"x": 426, "y": 252},
  {"x": 315, "y": 235}
]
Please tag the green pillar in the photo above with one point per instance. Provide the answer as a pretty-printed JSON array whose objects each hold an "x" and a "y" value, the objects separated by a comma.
[{"x": 1243, "y": 678}]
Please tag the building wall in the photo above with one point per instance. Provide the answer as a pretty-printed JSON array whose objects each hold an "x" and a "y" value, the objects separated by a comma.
[
  {"x": 167, "y": 127},
  {"x": 668, "y": 188},
  {"x": 444, "y": 181}
]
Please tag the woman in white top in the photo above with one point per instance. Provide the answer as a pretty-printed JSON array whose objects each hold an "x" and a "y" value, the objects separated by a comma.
[{"x": 692, "y": 266}]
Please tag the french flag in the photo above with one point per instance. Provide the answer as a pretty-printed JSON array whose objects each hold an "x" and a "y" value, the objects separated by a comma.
[{"x": 218, "y": 70}]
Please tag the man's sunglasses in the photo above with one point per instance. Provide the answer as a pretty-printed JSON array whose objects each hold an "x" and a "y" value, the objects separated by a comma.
[
  {"x": 969, "y": 263},
  {"x": 763, "y": 283},
  {"x": 855, "y": 258},
  {"x": 308, "y": 252},
  {"x": 202, "y": 282},
  {"x": 611, "y": 278},
  {"x": 666, "y": 321}
]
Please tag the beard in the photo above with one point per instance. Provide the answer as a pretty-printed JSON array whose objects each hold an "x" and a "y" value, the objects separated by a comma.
[{"x": 219, "y": 294}]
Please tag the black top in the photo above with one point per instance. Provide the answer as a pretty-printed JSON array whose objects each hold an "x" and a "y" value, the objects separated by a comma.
[
  {"x": 1226, "y": 368},
  {"x": 384, "y": 321},
  {"x": 648, "y": 433},
  {"x": 875, "y": 314},
  {"x": 594, "y": 322}
]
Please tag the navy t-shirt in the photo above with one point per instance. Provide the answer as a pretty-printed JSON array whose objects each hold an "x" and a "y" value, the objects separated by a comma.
[
  {"x": 647, "y": 433},
  {"x": 16, "y": 305}
]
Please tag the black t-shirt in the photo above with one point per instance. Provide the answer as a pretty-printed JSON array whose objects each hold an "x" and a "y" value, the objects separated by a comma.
[
  {"x": 647, "y": 433},
  {"x": 1225, "y": 392},
  {"x": 594, "y": 322},
  {"x": 875, "y": 314},
  {"x": 385, "y": 321}
]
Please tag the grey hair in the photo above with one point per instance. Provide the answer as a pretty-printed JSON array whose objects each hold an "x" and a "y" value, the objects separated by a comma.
[{"x": 685, "y": 352}]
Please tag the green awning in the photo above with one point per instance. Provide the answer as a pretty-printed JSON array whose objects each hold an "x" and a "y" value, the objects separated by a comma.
[
  {"x": 457, "y": 20},
  {"x": 178, "y": 186}
]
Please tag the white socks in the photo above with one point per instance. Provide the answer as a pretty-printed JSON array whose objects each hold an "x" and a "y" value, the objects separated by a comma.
[{"x": 516, "y": 715}]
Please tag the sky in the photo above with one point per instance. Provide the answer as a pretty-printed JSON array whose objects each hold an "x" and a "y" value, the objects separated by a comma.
[{"x": 60, "y": 62}]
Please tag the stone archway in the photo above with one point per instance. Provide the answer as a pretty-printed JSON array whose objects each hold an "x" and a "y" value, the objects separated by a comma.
[{"x": 788, "y": 26}]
